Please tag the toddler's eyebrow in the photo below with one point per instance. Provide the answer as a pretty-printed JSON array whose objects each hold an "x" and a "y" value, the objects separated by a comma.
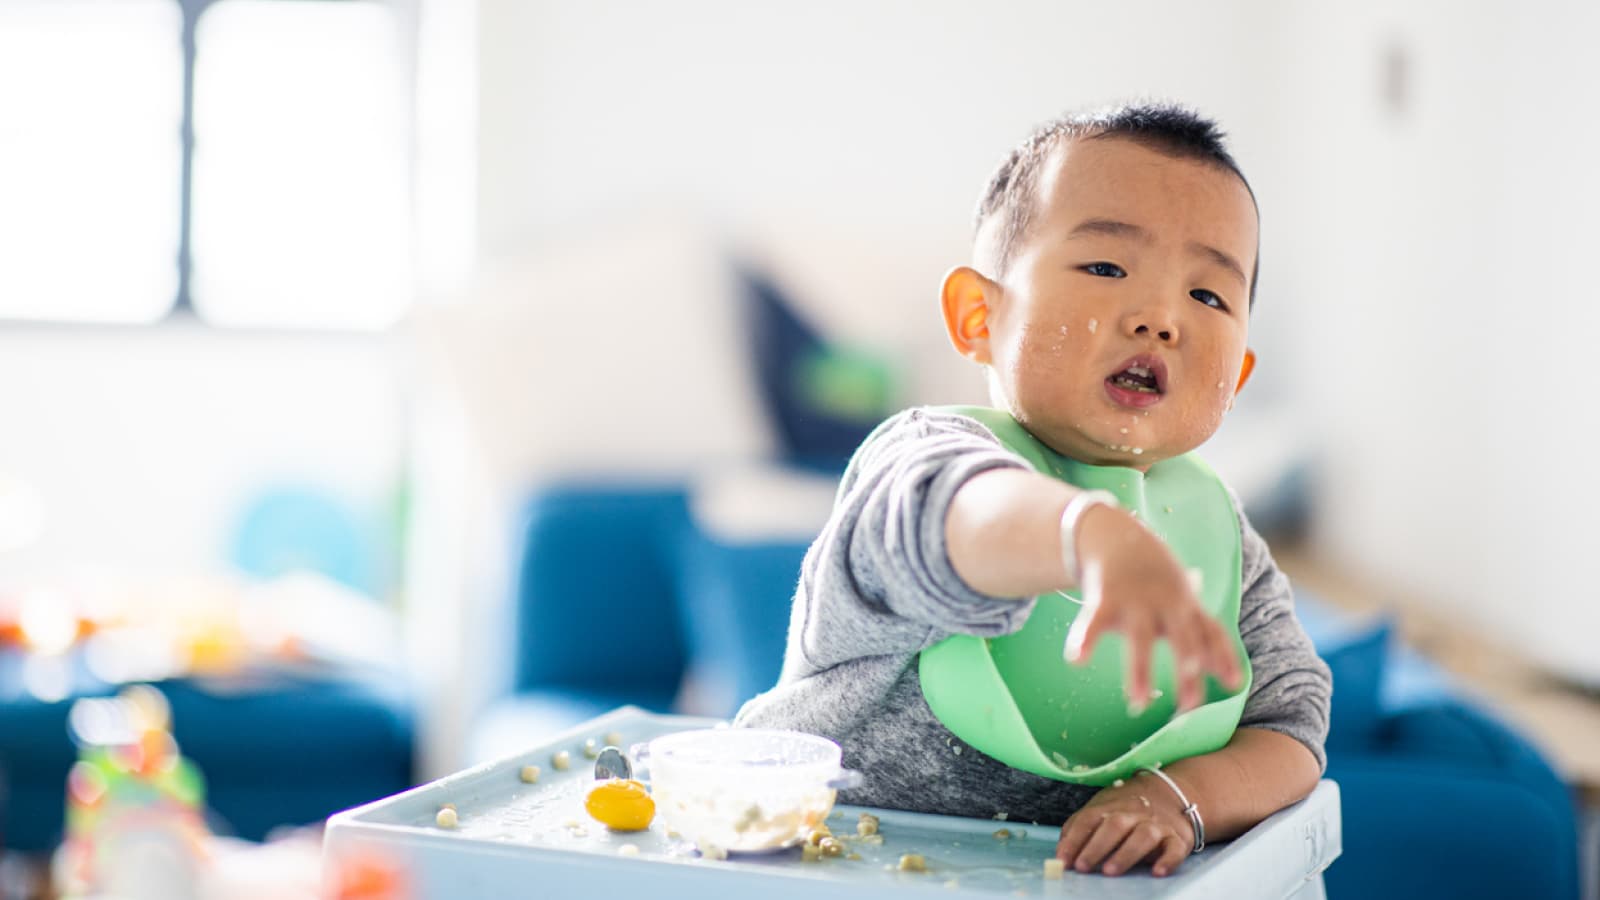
[{"x": 1113, "y": 228}]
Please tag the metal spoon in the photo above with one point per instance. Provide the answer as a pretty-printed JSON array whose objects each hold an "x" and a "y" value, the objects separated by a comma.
[{"x": 612, "y": 763}]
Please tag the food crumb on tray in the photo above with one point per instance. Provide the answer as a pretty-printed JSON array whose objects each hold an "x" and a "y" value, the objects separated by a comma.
[{"x": 867, "y": 825}]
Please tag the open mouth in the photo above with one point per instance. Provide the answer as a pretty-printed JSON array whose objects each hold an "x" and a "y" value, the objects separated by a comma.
[
  {"x": 1140, "y": 382},
  {"x": 1137, "y": 378},
  {"x": 1144, "y": 374}
]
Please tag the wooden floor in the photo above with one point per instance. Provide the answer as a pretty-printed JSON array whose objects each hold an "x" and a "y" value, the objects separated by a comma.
[{"x": 1560, "y": 717}]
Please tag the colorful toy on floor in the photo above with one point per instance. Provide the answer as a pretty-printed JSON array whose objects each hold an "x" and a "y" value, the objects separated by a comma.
[{"x": 135, "y": 822}]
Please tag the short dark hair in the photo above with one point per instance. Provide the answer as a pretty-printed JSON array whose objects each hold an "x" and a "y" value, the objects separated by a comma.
[{"x": 1164, "y": 127}]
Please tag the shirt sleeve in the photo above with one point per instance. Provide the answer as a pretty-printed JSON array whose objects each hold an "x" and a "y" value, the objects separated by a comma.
[
  {"x": 1292, "y": 686},
  {"x": 878, "y": 579}
]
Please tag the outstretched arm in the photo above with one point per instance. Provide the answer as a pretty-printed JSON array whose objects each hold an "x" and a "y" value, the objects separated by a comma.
[{"x": 1003, "y": 536}]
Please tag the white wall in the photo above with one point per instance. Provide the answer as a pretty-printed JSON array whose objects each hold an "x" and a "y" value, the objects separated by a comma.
[
  {"x": 1439, "y": 271},
  {"x": 1541, "y": 321}
]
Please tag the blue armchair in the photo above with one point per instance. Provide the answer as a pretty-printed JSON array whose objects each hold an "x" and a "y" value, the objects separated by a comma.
[
  {"x": 595, "y": 615},
  {"x": 1429, "y": 779}
]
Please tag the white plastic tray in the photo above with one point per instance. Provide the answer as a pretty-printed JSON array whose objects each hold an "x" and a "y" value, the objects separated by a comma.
[{"x": 535, "y": 840}]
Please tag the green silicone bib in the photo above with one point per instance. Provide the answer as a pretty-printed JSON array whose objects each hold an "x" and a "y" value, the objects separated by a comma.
[{"x": 1014, "y": 698}]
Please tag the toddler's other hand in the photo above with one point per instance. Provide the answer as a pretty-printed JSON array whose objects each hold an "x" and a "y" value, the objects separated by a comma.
[
  {"x": 1132, "y": 583},
  {"x": 1126, "y": 825}
]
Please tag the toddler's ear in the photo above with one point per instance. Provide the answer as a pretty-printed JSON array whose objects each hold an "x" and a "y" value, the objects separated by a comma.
[
  {"x": 1245, "y": 370},
  {"x": 966, "y": 312}
]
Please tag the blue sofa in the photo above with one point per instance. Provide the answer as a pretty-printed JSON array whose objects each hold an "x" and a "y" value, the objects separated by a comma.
[
  {"x": 285, "y": 751},
  {"x": 1439, "y": 797}
]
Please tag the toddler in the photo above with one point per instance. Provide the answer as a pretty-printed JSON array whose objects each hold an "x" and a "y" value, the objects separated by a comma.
[{"x": 1051, "y": 611}]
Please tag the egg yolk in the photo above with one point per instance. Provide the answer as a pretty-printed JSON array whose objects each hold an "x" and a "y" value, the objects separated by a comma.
[{"x": 621, "y": 805}]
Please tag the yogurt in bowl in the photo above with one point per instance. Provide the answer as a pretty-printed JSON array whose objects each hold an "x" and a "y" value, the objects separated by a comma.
[{"x": 744, "y": 790}]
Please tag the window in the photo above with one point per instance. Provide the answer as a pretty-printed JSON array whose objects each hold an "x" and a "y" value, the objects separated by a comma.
[
  {"x": 301, "y": 164},
  {"x": 91, "y": 158},
  {"x": 290, "y": 208}
]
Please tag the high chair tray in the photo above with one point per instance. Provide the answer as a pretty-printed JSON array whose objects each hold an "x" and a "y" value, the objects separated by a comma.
[{"x": 520, "y": 839}]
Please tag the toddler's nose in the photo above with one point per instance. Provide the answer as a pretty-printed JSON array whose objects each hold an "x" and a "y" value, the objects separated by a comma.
[{"x": 1155, "y": 323}]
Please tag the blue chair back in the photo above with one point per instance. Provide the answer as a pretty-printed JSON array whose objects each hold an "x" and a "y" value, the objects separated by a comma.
[{"x": 595, "y": 606}]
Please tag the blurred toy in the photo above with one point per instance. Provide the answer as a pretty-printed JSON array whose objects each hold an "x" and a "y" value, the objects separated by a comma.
[
  {"x": 135, "y": 822},
  {"x": 365, "y": 875}
]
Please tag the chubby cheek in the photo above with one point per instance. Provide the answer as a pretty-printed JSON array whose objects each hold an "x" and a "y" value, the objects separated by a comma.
[
  {"x": 1211, "y": 400},
  {"x": 1042, "y": 359}
]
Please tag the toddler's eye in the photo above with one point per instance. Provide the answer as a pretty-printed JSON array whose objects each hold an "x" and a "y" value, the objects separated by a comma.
[
  {"x": 1209, "y": 299},
  {"x": 1105, "y": 270}
]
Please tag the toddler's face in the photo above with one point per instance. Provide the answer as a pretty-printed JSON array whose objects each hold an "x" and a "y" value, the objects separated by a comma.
[{"x": 1118, "y": 332}]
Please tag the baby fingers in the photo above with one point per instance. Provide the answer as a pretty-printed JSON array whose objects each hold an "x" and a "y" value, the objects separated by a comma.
[
  {"x": 1224, "y": 662},
  {"x": 1139, "y": 640},
  {"x": 1085, "y": 632},
  {"x": 1189, "y": 652},
  {"x": 1113, "y": 830},
  {"x": 1173, "y": 852},
  {"x": 1143, "y": 840}
]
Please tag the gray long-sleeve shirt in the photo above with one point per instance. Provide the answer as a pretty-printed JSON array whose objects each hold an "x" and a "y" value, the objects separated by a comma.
[{"x": 877, "y": 587}]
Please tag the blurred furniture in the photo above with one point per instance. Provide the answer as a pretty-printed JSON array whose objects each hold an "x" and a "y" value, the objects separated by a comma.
[
  {"x": 594, "y": 619},
  {"x": 623, "y": 599},
  {"x": 1430, "y": 777},
  {"x": 615, "y": 591},
  {"x": 273, "y": 750}
]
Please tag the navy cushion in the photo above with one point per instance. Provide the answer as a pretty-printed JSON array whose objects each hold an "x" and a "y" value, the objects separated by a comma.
[
  {"x": 823, "y": 399},
  {"x": 594, "y": 603},
  {"x": 1355, "y": 713}
]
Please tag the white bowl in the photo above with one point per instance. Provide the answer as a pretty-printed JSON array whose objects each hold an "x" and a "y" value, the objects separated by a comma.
[{"x": 744, "y": 790}]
